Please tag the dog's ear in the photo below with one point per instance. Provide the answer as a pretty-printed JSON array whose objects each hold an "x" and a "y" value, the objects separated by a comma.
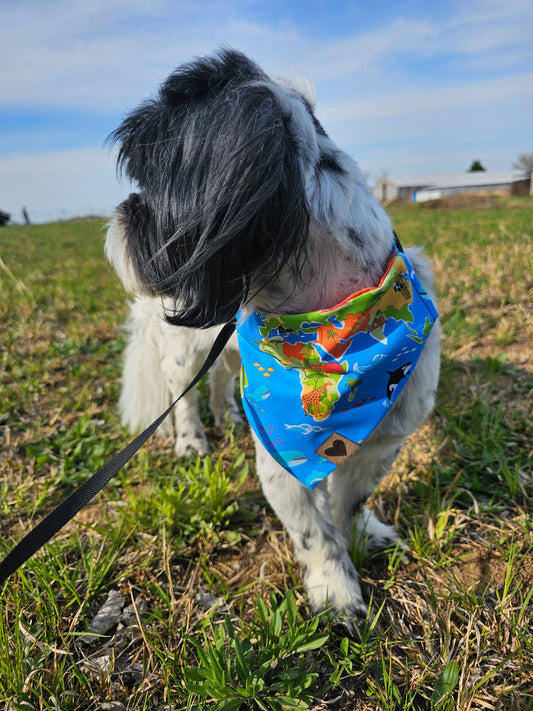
[
  {"x": 134, "y": 214},
  {"x": 128, "y": 241},
  {"x": 137, "y": 137}
]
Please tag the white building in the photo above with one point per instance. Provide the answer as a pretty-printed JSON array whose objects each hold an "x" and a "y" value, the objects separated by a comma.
[{"x": 433, "y": 187}]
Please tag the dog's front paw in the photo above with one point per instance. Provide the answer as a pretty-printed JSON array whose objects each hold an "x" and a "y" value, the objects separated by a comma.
[
  {"x": 234, "y": 415},
  {"x": 191, "y": 442},
  {"x": 356, "y": 620},
  {"x": 336, "y": 589},
  {"x": 230, "y": 415},
  {"x": 372, "y": 535}
]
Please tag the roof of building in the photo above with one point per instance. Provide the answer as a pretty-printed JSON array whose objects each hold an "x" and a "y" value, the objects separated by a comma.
[{"x": 458, "y": 180}]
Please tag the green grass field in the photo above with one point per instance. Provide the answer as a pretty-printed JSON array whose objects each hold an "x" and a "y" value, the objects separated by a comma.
[{"x": 206, "y": 605}]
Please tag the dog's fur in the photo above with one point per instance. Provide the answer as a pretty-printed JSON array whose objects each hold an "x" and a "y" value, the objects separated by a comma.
[
  {"x": 245, "y": 202},
  {"x": 160, "y": 360}
]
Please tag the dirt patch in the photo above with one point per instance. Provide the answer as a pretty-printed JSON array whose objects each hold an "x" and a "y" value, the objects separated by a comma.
[
  {"x": 477, "y": 568},
  {"x": 474, "y": 201}
]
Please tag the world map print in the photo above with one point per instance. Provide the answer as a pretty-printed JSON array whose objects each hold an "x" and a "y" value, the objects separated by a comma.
[{"x": 316, "y": 347}]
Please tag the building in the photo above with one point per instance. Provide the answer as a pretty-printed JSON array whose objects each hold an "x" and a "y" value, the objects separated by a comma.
[{"x": 434, "y": 187}]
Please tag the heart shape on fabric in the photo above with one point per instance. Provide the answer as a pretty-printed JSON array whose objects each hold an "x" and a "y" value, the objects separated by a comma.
[{"x": 337, "y": 449}]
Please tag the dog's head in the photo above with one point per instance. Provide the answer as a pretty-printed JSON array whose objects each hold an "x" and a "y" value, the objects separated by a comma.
[{"x": 231, "y": 168}]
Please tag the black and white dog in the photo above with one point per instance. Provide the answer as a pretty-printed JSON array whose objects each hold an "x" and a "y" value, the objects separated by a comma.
[{"x": 245, "y": 204}]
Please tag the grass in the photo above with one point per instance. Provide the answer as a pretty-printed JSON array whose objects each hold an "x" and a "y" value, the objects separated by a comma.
[{"x": 211, "y": 612}]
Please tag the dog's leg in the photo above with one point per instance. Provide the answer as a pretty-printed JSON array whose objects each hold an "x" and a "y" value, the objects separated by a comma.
[
  {"x": 330, "y": 578},
  {"x": 350, "y": 486},
  {"x": 222, "y": 387},
  {"x": 182, "y": 353},
  {"x": 144, "y": 392}
]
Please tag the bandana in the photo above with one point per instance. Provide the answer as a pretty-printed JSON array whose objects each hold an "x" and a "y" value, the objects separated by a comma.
[{"x": 315, "y": 386}]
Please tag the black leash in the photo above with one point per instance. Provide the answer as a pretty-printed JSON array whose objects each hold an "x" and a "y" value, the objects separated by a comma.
[
  {"x": 79, "y": 498},
  {"x": 397, "y": 242}
]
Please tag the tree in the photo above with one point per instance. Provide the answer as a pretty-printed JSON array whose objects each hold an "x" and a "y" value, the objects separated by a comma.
[
  {"x": 524, "y": 163},
  {"x": 475, "y": 167}
]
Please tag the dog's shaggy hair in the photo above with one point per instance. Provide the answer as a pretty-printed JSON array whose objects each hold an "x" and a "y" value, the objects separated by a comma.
[
  {"x": 244, "y": 202},
  {"x": 160, "y": 360}
]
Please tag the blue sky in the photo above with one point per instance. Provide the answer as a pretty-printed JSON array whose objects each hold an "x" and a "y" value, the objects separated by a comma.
[{"x": 406, "y": 87}]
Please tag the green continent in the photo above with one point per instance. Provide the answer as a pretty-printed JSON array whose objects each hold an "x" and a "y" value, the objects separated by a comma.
[{"x": 325, "y": 388}]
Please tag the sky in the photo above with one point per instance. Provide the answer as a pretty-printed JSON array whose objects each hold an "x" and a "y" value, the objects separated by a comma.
[{"x": 407, "y": 88}]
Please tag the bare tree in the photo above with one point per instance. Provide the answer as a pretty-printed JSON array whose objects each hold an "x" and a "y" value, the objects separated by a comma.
[{"x": 524, "y": 163}]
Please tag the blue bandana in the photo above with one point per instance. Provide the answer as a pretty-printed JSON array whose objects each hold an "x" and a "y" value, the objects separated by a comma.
[{"x": 315, "y": 386}]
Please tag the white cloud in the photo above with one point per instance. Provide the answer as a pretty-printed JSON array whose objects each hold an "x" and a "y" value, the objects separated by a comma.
[
  {"x": 461, "y": 100},
  {"x": 110, "y": 53},
  {"x": 454, "y": 77},
  {"x": 405, "y": 132},
  {"x": 61, "y": 184}
]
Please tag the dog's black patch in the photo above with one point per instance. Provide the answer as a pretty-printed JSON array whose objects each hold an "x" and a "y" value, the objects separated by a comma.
[
  {"x": 305, "y": 540},
  {"x": 327, "y": 161},
  {"x": 357, "y": 506},
  {"x": 355, "y": 237},
  {"x": 316, "y": 123}
]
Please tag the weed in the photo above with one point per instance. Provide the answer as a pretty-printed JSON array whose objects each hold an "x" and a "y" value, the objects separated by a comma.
[
  {"x": 269, "y": 668},
  {"x": 196, "y": 500}
]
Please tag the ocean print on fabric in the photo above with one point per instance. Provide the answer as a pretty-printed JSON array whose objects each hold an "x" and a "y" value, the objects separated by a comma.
[{"x": 314, "y": 386}]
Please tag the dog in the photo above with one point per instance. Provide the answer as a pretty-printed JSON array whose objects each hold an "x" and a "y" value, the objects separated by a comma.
[{"x": 246, "y": 207}]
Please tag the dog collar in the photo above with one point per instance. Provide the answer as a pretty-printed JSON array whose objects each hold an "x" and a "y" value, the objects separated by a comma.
[{"x": 314, "y": 386}]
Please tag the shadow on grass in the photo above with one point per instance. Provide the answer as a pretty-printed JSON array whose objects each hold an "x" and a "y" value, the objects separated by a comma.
[{"x": 484, "y": 410}]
